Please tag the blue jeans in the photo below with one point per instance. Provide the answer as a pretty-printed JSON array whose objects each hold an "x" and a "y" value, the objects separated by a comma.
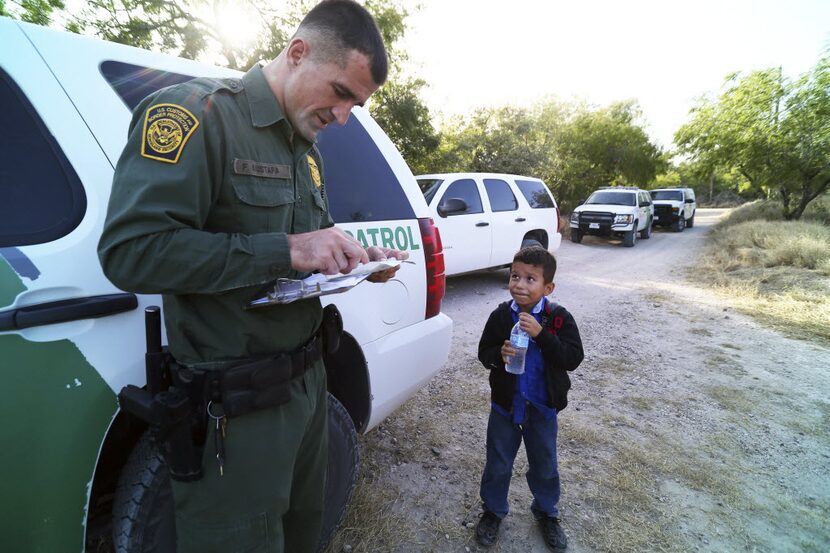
[{"x": 503, "y": 440}]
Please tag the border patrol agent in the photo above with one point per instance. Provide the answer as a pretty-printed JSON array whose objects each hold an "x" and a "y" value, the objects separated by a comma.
[{"x": 219, "y": 191}]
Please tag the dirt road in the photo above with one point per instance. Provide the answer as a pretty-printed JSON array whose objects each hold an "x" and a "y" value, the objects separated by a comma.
[{"x": 689, "y": 428}]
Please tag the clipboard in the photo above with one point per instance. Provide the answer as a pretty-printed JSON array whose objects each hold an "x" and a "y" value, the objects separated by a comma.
[{"x": 287, "y": 290}]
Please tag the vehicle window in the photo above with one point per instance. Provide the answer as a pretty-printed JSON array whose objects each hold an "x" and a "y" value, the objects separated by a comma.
[
  {"x": 667, "y": 195},
  {"x": 611, "y": 197},
  {"x": 133, "y": 83},
  {"x": 360, "y": 184},
  {"x": 41, "y": 196},
  {"x": 536, "y": 193},
  {"x": 500, "y": 196},
  {"x": 429, "y": 187},
  {"x": 467, "y": 190}
]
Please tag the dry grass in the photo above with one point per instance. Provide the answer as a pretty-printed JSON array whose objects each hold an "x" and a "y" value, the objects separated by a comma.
[
  {"x": 373, "y": 518},
  {"x": 734, "y": 400},
  {"x": 776, "y": 271},
  {"x": 625, "y": 505}
]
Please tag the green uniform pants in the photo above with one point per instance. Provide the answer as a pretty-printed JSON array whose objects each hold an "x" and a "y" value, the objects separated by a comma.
[{"x": 270, "y": 499}]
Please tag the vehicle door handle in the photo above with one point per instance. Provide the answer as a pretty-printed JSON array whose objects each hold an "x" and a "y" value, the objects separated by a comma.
[
  {"x": 521, "y": 220},
  {"x": 482, "y": 224},
  {"x": 63, "y": 311}
]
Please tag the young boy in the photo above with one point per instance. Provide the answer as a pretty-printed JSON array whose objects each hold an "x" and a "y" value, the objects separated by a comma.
[{"x": 524, "y": 407}]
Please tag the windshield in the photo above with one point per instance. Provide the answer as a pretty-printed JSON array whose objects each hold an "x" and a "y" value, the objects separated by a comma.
[
  {"x": 429, "y": 187},
  {"x": 667, "y": 195},
  {"x": 612, "y": 197}
]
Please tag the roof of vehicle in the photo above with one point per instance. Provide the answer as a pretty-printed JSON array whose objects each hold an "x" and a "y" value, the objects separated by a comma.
[
  {"x": 482, "y": 175},
  {"x": 623, "y": 188}
]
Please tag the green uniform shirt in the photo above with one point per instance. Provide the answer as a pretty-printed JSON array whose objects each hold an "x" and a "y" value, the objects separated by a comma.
[{"x": 209, "y": 185}]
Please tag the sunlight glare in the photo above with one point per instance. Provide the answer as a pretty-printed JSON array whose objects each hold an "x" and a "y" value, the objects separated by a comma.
[{"x": 237, "y": 22}]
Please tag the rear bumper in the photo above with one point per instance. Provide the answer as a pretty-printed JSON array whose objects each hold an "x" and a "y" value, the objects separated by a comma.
[{"x": 402, "y": 362}]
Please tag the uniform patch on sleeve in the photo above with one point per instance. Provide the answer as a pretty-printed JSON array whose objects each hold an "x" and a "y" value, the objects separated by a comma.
[
  {"x": 167, "y": 128},
  {"x": 315, "y": 171}
]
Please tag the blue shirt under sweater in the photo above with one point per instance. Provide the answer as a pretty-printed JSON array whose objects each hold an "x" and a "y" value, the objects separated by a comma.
[{"x": 530, "y": 385}]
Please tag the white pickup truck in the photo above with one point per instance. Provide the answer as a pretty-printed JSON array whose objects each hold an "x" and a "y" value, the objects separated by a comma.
[
  {"x": 485, "y": 218},
  {"x": 674, "y": 207}
]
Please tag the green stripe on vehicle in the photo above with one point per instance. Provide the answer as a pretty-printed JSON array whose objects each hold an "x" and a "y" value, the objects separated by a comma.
[{"x": 56, "y": 410}]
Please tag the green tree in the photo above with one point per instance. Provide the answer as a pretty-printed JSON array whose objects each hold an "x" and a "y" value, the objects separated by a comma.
[
  {"x": 32, "y": 11},
  {"x": 573, "y": 148},
  {"x": 399, "y": 110},
  {"x": 712, "y": 186},
  {"x": 602, "y": 147},
  {"x": 191, "y": 28},
  {"x": 774, "y": 131}
]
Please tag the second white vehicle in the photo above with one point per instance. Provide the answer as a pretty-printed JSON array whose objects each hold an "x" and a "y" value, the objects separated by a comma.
[
  {"x": 485, "y": 218},
  {"x": 623, "y": 211}
]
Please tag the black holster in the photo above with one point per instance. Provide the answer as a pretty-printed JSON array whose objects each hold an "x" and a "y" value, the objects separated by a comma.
[{"x": 175, "y": 425}]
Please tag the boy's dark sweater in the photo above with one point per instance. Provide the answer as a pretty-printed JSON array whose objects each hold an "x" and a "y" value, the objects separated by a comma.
[{"x": 561, "y": 349}]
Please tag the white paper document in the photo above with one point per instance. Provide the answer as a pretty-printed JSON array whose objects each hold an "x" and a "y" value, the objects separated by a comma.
[{"x": 286, "y": 290}]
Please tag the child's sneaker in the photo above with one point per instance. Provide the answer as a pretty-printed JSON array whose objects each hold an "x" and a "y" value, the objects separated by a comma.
[
  {"x": 554, "y": 534},
  {"x": 487, "y": 529}
]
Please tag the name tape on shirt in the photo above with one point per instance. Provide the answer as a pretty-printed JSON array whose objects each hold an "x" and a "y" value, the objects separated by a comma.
[
  {"x": 167, "y": 128},
  {"x": 260, "y": 169}
]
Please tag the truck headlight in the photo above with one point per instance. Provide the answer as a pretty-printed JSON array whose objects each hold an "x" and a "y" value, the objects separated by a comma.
[
  {"x": 623, "y": 219},
  {"x": 574, "y": 217}
]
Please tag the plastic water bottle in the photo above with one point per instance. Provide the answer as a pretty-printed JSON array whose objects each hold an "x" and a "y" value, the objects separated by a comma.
[{"x": 518, "y": 339}]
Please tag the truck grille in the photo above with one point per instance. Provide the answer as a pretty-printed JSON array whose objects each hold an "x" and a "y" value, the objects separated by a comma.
[
  {"x": 662, "y": 211},
  {"x": 603, "y": 218}
]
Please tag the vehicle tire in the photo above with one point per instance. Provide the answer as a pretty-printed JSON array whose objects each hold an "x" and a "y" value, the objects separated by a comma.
[
  {"x": 142, "y": 510},
  {"x": 528, "y": 242},
  {"x": 679, "y": 225},
  {"x": 143, "y": 519},
  {"x": 691, "y": 222},
  {"x": 630, "y": 237},
  {"x": 343, "y": 467},
  {"x": 645, "y": 234},
  {"x": 576, "y": 236}
]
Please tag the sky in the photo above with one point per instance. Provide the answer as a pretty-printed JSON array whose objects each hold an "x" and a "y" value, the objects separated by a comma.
[
  {"x": 476, "y": 53},
  {"x": 663, "y": 53}
]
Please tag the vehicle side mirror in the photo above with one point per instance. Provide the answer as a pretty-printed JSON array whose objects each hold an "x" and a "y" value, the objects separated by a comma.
[
  {"x": 580, "y": 202},
  {"x": 645, "y": 204},
  {"x": 689, "y": 200},
  {"x": 450, "y": 206}
]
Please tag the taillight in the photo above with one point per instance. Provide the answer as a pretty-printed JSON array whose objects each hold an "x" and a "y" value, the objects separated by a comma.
[
  {"x": 558, "y": 215},
  {"x": 434, "y": 257}
]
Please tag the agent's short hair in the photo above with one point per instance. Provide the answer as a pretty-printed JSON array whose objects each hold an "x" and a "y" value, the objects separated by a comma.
[
  {"x": 538, "y": 257},
  {"x": 338, "y": 26}
]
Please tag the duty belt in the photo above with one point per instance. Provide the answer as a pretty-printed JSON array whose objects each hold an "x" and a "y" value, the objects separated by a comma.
[
  {"x": 249, "y": 385},
  {"x": 179, "y": 400}
]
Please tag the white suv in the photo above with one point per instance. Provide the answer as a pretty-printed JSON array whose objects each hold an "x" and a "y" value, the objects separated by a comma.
[
  {"x": 674, "y": 207},
  {"x": 614, "y": 211},
  {"x": 73, "y": 464},
  {"x": 485, "y": 218}
]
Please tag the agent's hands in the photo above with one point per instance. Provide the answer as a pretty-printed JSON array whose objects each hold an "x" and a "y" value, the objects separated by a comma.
[
  {"x": 529, "y": 324},
  {"x": 381, "y": 254},
  {"x": 329, "y": 251}
]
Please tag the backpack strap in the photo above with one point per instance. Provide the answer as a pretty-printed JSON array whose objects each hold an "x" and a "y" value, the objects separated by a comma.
[{"x": 548, "y": 320}]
